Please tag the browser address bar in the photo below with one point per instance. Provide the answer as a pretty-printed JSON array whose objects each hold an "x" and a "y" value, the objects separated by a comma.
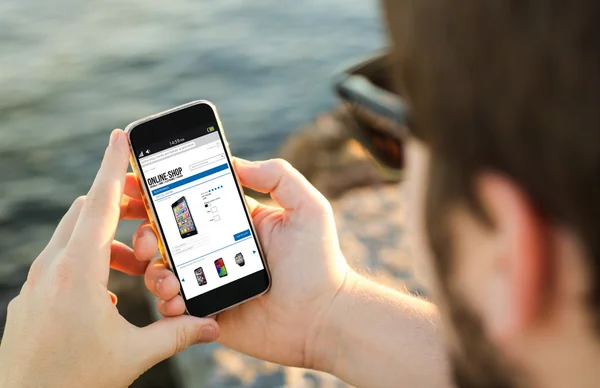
[{"x": 167, "y": 153}]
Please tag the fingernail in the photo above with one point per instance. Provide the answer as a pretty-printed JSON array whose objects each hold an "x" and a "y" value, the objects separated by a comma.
[
  {"x": 113, "y": 298},
  {"x": 114, "y": 136},
  {"x": 208, "y": 334},
  {"x": 138, "y": 236}
]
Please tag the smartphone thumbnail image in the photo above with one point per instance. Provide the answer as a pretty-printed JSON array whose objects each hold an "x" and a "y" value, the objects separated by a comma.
[
  {"x": 221, "y": 269},
  {"x": 199, "y": 272},
  {"x": 184, "y": 219}
]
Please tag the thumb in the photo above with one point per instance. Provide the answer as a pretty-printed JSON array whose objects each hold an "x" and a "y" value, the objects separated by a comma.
[
  {"x": 170, "y": 336},
  {"x": 287, "y": 186}
]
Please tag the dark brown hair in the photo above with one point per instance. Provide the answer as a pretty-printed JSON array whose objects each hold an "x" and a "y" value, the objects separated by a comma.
[{"x": 511, "y": 86}]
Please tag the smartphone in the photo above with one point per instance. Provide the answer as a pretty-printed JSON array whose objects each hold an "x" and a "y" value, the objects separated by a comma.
[
  {"x": 200, "y": 278},
  {"x": 184, "y": 219},
  {"x": 181, "y": 158},
  {"x": 221, "y": 269}
]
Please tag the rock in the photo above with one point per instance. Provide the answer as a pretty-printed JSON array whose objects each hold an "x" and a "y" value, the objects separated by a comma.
[
  {"x": 329, "y": 158},
  {"x": 372, "y": 239}
]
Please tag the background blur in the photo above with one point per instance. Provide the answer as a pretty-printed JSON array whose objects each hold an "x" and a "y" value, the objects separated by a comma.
[{"x": 71, "y": 71}]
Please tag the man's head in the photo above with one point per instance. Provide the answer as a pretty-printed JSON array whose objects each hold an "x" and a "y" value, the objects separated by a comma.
[{"x": 505, "y": 96}]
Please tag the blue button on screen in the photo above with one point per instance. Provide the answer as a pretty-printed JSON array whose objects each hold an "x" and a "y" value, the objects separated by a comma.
[{"x": 241, "y": 235}]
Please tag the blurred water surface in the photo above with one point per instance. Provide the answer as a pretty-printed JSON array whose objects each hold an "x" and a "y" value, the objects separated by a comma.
[{"x": 71, "y": 68}]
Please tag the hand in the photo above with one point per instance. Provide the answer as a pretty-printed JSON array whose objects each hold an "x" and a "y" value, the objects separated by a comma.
[
  {"x": 299, "y": 239},
  {"x": 64, "y": 330}
]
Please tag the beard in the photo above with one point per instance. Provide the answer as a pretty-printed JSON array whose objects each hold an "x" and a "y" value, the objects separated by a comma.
[{"x": 475, "y": 360}]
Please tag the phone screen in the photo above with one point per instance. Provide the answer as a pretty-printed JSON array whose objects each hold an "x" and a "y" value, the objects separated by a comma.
[{"x": 200, "y": 210}]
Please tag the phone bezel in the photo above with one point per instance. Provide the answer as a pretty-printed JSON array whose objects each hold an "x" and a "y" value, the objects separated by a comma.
[
  {"x": 159, "y": 128},
  {"x": 173, "y": 206}
]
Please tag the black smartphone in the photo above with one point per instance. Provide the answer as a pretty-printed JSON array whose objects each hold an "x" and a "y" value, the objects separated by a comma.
[
  {"x": 200, "y": 278},
  {"x": 181, "y": 159},
  {"x": 184, "y": 219}
]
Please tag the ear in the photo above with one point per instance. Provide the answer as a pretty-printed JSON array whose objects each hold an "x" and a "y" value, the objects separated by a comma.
[{"x": 516, "y": 296}]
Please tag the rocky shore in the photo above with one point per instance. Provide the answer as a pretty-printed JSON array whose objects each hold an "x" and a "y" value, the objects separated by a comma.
[{"x": 41, "y": 182}]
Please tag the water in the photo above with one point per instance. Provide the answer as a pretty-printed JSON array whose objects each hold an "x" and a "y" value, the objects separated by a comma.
[{"x": 71, "y": 68}]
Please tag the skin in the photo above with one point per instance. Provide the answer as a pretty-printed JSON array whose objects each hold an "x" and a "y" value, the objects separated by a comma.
[
  {"x": 63, "y": 330},
  {"x": 523, "y": 281},
  {"x": 310, "y": 317},
  {"x": 318, "y": 314}
]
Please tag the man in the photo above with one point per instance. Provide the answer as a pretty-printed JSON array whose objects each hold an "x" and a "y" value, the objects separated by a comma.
[{"x": 504, "y": 165}]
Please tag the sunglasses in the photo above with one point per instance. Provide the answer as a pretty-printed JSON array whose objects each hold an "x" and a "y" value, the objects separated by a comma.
[{"x": 380, "y": 116}]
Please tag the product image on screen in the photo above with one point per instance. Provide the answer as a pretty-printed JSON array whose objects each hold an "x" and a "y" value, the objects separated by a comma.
[
  {"x": 200, "y": 212},
  {"x": 199, "y": 272},
  {"x": 239, "y": 259},
  {"x": 185, "y": 223},
  {"x": 221, "y": 270}
]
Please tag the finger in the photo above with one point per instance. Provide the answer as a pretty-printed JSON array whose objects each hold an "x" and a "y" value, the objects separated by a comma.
[
  {"x": 145, "y": 243},
  {"x": 253, "y": 204},
  {"x": 259, "y": 212},
  {"x": 132, "y": 188},
  {"x": 287, "y": 186},
  {"x": 156, "y": 273},
  {"x": 168, "y": 287},
  {"x": 132, "y": 209},
  {"x": 170, "y": 336},
  {"x": 63, "y": 231},
  {"x": 96, "y": 226},
  {"x": 171, "y": 308},
  {"x": 123, "y": 259}
]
